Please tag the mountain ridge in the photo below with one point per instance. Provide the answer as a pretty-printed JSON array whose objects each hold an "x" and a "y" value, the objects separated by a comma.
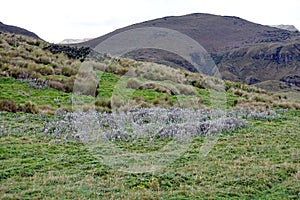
[
  {"x": 235, "y": 45},
  {"x": 17, "y": 30},
  {"x": 200, "y": 27}
]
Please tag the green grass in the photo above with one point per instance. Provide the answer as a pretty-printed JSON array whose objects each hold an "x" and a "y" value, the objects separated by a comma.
[
  {"x": 259, "y": 162},
  {"x": 21, "y": 92},
  {"x": 149, "y": 95},
  {"x": 107, "y": 83}
]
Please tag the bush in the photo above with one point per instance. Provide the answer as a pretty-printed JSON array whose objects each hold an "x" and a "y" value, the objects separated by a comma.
[
  {"x": 69, "y": 85},
  {"x": 57, "y": 85},
  {"x": 45, "y": 70},
  {"x": 103, "y": 102},
  {"x": 284, "y": 105},
  {"x": 68, "y": 71},
  {"x": 121, "y": 71},
  {"x": 260, "y": 98},
  {"x": 162, "y": 89},
  {"x": 17, "y": 72},
  {"x": 156, "y": 102},
  {"x": 8, "y": 105},
  {"x": 113, "y": 68},
  {"x": 46, "y": 109},
  {"x": 30, "y": 107},
  {"x": 296, "y": 106},
  {"x": 35, "y": 75},
  {"x": 44, "y": 60},
  {"x": 133, "y": 84},
  {"x": 238, "y": 92},
  {"x": 187, "y": 90},
  {"x": 198, "y": 83}
]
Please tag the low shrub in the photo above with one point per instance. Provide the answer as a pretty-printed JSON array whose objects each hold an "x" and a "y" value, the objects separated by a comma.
[
  {"x": 103, "y": 102},
  {"x": 46, "y": 109},
  {"x": 261, "y": 98},
  {"x": 17, "y": 72},
  {"x": 283, "y": 105},
  {"x": 68, "y": 71},
  {"x": 44, "y": 60},
  {"x": 56, "y": 85},
  {"x": 133, "y": 84},
  {"x": 238, "y": 92},
  {"x": 30, "y": 107},
  {"x": 186, "y": 89},
  {"x": 198, "y": 83},
  {"x": 8, "y": 105},
  {"x": 296, "y": 106},
  {"x": 45, "y": 70}
]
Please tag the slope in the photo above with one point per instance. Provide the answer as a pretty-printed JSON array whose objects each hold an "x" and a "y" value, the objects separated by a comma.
[{"x": 266, "y": 52}]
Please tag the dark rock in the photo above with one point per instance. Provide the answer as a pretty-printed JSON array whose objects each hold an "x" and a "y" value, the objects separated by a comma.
[
  {"x": 253, "y": 81},
  {"x": 291, "y": 80}
]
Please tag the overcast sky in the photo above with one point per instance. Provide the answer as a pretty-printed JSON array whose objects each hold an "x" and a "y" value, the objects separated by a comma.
[{"x": 55, "y": 20}]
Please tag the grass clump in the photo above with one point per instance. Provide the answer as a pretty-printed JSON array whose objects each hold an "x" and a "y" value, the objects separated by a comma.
[
  {"x": 103, "y": 105},
  {"x": 10, "y": 106}
]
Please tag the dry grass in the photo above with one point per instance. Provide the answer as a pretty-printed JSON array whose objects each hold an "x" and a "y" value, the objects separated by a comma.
[{"x": 23, "y": 57}]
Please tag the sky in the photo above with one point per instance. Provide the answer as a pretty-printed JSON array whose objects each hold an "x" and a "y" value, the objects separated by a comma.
[{"x": 56, "y": 20}]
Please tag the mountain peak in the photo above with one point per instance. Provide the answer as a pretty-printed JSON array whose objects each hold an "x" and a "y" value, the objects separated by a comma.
[
  {"x": 286, "y": 27},
  {"x": 243, "y": 51},
  {"x": 74, "y": 41}
]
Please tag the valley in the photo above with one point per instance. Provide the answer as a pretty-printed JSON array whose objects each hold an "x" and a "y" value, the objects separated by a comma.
[{"x": 78, "y": 124}]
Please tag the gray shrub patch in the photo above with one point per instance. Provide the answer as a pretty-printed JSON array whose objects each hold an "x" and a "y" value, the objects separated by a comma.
[{"x": 171, "y": 123}]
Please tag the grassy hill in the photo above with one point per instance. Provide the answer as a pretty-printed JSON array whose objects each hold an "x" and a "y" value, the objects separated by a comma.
[{"x": 230, "y": 140}]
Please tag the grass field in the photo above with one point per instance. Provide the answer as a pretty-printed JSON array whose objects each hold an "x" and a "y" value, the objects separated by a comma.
[{"x": 258, "y": 162}]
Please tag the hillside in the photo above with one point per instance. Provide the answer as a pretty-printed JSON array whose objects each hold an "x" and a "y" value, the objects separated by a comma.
[
  {"x": 75, "y": 124},
  {"x": 215, "y": 33},
  {"x": 59, "y": 67},
  {"x": 264, "y": 62},
  {"x": 233, "y": 43},
  {"x": 17, "y": 30}
]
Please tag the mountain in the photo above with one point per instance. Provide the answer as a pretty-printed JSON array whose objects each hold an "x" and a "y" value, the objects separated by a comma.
[
  {"x": 73, "y": 41},
  {"x": 286, "y": 27},
  {"x": 214, "y": 33},
  {"x": 17, "y": 30},
  {"x": 243, "y": 51}
]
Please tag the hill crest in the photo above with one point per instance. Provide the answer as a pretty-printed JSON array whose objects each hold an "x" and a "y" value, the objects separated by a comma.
[
  {"x": 234, "y": 44},
  {"x": 17, "y": 30}
]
